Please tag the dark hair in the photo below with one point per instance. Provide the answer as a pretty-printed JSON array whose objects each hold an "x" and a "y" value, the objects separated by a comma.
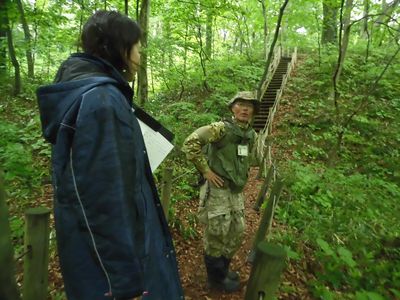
[{"x": 110, "y": 35}]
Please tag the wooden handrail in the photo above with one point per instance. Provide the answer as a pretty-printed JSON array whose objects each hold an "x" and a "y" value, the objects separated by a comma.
[{"x": 263, "y": 147}]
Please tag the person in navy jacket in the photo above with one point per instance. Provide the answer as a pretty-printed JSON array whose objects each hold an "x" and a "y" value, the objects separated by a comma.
[{"x": 113, "y": 239}]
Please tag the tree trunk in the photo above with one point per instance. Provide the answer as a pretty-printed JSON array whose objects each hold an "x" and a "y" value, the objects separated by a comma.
[
  {"x": 316, "y": 17},
  {"x": 329, "y": 23},
  {"x": 201, "y": 51},
  {"x": 166, "y": 190},
  {"x": 209, "y": 26},
  {"x": 80, "y": 25},
  {"x": 336, "y": 73},
  {"x": 29, "y": 56},
  {"x": 271, "y": 49},
  {"x": 186, "y": 48},
  {"x": 8, "y": 286},
  {"x": 364, "y": 27},
  {"x": 13, "y": 57},
  {"x": 142, "y": 88},
  {"x": 345, "y": 20},
  {"x": 247, "y": 40},
  {"x": 264, "y": 12},
  {"x": 3, "y": 36},
  {"x": 386, "y": 16},
  {"x": 387, "y": 11}
]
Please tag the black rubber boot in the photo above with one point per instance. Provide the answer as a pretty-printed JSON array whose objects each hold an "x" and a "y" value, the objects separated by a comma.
[
  {"x": 217, "y": 275},
  {"x": 231, "y": 275}
]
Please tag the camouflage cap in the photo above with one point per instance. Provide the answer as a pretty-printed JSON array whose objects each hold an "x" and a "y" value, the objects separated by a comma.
[{"x": 246, "y": 96}]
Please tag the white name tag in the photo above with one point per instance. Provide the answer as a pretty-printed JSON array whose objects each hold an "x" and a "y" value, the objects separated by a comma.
[{"x": 243, "y": 150}]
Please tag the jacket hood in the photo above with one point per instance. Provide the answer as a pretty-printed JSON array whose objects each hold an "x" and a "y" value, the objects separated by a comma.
[{"x": 59, "y": 102}]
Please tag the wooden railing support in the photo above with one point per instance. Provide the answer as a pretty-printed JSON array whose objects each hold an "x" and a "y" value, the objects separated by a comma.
[
  {"x": 264, "y": 189},
  {"x": 36, "y": 245},
  {"x": 266, "y": 220},
  {"x": 166, "y": 190},
  {"x": 8, "y": 286},
  {"x": 269, "y": 263}
]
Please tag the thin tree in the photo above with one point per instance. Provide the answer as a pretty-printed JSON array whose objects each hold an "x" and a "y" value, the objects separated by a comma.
[
  {"x": 364, "y": 28},
  {"x": 318, "y": 33},
  {"x": 209, "y": 33},
  {"x": 201, "y": 51},
  {"x": 385, "y": 17},
  {"x": 3, "y": 37},
  {"x": 345, "y": 14},
  {"x": 387, "y": 11},
  {"x": 14, "y": 61},
  {"x": 265, "y": 27},
  {"x": 142, "y": 88},
  {"x": 271, "y": 49},
  {"x": 28, "y": 39}
]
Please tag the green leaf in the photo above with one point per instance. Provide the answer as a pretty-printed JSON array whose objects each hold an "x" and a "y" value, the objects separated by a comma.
[
  {"x": 292, "y": 254},
  {"x": 347, "y": 257},
  {"x": 325, "y": 247},
  {"x": 365, "y": 295}
]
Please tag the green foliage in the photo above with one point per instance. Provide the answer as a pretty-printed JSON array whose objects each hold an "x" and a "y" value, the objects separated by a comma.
[
  {"x": 346, "y": 213},
  {"x": 15, "y": 157},
  {"x": 346, "y": 219},
  {"x": 23, "y": 151},
  {"x": 17, "y": 233}
]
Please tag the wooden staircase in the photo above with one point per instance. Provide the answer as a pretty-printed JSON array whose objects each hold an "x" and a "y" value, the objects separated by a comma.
[{"x": 269, "y": 96}]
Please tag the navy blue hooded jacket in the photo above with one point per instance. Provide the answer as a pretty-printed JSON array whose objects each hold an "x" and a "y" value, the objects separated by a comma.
[{"x": 111, "y": 231}]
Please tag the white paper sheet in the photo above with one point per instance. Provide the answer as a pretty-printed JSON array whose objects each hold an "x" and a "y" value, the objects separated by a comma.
[{"x": 157, "y": 145}]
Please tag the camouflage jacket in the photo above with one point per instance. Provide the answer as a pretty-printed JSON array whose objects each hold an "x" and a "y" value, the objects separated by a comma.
[{"x": 194, "y": 143}]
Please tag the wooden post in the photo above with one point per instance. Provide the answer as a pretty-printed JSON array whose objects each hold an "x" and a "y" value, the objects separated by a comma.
[
  {"x": 36, "y": 261},
  {"x": 166, "y": 190},
  {"x": 266, "y": 220},
  {"x": 260, "y": 169},
  {"x": 264, "y": 188},
  {"x": 8, "y": 286},
  {"x": 266, "y": 272}
]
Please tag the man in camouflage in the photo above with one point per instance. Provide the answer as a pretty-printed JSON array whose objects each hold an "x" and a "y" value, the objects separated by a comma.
[{"x": 225, "y": 167}]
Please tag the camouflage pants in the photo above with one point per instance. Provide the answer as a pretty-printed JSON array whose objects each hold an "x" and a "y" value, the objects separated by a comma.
[{"x": 222, "y": 213}]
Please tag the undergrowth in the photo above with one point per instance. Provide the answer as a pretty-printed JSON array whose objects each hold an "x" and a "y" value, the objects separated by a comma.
[{"x": 341, "y": 219}]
